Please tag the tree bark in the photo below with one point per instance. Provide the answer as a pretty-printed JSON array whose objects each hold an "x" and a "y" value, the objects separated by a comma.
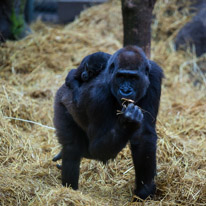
[{"x": 137, "y": 18}]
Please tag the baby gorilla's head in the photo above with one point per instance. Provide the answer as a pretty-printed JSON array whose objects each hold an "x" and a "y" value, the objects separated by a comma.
[{"x": 93, "y": 64}]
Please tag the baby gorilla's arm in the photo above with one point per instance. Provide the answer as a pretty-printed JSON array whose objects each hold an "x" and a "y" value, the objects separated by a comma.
[{"x": 73, "y": 83}]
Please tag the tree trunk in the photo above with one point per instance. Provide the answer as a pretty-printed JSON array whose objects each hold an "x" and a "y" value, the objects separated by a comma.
[{"x": 137, "y": 18}]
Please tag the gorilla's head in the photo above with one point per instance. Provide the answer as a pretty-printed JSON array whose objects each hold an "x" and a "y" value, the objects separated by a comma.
[{"x": 129, "y": 73}]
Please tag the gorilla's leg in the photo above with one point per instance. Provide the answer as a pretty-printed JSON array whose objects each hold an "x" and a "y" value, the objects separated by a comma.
[
  {"x": 144, "y": 158},
  {"x": 74, "y": 145}
]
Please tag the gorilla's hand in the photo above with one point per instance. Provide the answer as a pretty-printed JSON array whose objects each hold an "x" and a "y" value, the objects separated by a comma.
[{"x": 132, "y": 115}]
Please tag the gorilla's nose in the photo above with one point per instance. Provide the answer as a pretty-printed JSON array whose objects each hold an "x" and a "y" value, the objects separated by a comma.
[{"x": 125, "y": 91}]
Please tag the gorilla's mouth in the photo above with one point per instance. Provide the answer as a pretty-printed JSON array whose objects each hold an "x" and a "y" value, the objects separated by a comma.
[{"x": 125, "y": 92}]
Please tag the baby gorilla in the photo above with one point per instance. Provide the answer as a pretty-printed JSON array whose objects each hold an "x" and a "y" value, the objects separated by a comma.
[{"x": 89, "y": 68}]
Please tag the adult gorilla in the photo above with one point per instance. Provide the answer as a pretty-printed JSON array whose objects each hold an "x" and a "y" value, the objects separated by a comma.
[{"x": 94, "y": 130}]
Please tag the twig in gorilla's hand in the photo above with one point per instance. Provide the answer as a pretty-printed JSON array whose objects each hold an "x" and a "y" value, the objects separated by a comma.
[{"x": 126, "y": 102}]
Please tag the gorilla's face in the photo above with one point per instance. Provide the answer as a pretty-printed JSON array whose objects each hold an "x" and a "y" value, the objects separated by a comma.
[
  {"x": 129, "y": 75},
  {"x": 129, "y": 84}
]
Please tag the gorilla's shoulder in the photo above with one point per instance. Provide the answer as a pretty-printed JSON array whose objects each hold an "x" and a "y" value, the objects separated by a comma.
[{"x": 156, "y": 71}]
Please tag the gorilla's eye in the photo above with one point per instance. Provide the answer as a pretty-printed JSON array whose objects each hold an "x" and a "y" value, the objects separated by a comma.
[{"x": 111, "y": 68}]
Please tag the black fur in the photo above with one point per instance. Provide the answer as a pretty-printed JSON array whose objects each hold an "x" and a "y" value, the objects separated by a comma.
[
  {"x": 90, "y": 67},
  {"x": 94, "y": 130}
]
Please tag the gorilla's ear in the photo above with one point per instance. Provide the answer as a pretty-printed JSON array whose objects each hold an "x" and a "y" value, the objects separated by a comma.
[
  {"x": 148, "y": 68},
  {"x": 111, "y": 67},
  {"x": 111, "y": 63},
  {"x": 86, "y": 67}
]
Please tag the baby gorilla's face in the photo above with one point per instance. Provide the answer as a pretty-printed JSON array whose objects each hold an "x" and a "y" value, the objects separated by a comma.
[
  {"x": 85, "y": 76},
  {"x": 89, "y": 72}
]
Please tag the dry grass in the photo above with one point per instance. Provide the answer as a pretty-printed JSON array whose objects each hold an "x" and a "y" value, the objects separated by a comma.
[{"x": 32, "y": 69}]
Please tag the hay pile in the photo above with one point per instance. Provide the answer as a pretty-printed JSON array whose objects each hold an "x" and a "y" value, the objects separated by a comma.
[{"x": 32, "y": 69}]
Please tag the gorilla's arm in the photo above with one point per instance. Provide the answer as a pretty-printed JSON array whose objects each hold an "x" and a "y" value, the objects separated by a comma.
[
  {"x": 143, "y": 146},
  {"x": 108, "y": 132},
  {"x": 71, "y": 80}
]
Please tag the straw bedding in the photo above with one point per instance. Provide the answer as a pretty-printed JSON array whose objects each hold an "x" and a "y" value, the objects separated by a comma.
[{"x": 31, "y": 70}]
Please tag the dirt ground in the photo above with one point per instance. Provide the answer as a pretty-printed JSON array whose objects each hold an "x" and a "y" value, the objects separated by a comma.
[{"x": 31, "y": 70}]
